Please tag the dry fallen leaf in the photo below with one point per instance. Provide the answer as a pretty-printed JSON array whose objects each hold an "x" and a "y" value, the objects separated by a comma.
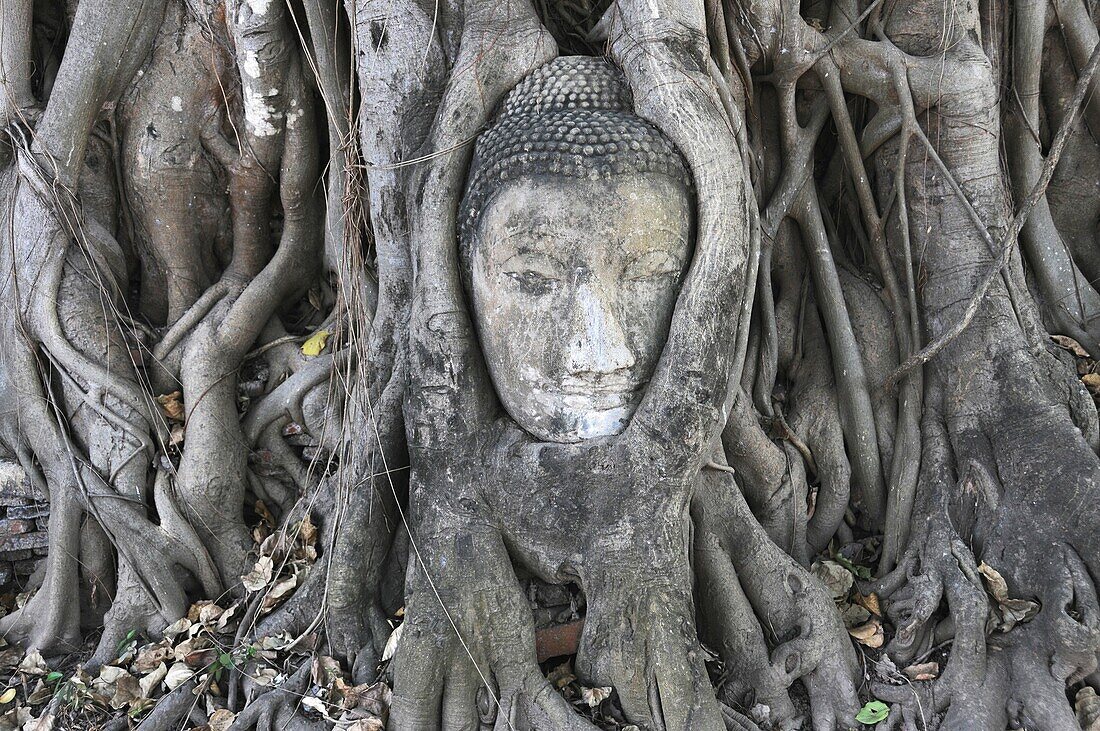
[
  {"x": 44, "y": 723},
  {"x": 178, "y": 627},
  {"x": 8, "y": 696},
  {"x": 279, "y": 591},
  {"x": 325, "y": 670},
  {"x": 1013, "y": 611},
  {"x": 923, "y": 671},
  {"x": 870, "y": 602},
  {"x": 202, "y": 612},
  {"x": 151, "y": 656},
  {"x": 264, "y": 676},
  {"x": 370, "y": 697},
  {"x": 33, "y": 664},
  {"x": 127, "y": 691},
  {"x": 224, "y": 617},
  {"x": 391, "y": 643},
  {"x": 367, "y": 724},
  {"x": 264, "y": 512},
  {"x": 150, "y": 682},
  {"x": 40, "y": 694},
  {"x": 307, "y": 532},
  {"x": 854, "y": 615},
  {"x": 869, "y": 634},
  {"x": 177, "y": 675},
  {"x": 315, "y": 704},
  {"x": 221, "y": 720},
  {"x": 595, "y": 696},
  {"x": 106, "y": 684},
  {"x": 1070, "y": 344},
  {"x": 260, "y": 574},
  {"x": 171, "y": 405},
  {"x": 562, "y": 675},
  {"x": 836, "y": 578},
  {"x": 14, "y": 719}
]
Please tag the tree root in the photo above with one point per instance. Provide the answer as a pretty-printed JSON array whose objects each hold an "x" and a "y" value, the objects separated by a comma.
[
  {"x": 276, "y": 710},
  {"x": 808, "y": 640},
  {"x": 485, "y": 639}
]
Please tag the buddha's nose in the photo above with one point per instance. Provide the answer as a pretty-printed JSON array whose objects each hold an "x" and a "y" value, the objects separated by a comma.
[{"x": 599, "y": 344}]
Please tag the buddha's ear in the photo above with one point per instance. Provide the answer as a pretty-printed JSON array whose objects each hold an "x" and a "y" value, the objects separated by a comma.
[{"x": 663, "y": 51}]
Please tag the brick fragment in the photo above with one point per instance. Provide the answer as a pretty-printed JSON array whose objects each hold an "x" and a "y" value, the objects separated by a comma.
[
  {"x": 15, "y": 526},
  {"x": 29, "y": 511},
  {"x": 21, "y": 541}
]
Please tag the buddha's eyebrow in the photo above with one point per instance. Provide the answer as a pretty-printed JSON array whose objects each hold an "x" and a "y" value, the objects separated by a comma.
[{"x": 535, "y": 227}]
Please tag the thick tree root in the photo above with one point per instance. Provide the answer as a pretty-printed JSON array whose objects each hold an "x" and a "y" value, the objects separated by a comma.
[
  {"x": 470, "y": 659},
  {"x": 808, "y": 639},
  {"x": 276, "y": 710}
]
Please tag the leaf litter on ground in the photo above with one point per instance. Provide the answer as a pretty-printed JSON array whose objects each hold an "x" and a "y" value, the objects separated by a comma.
[{"x": 198, "y": 646}]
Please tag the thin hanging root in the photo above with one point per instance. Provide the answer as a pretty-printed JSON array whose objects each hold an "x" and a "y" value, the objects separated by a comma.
[
  {"x": 75, "y": 363},
  {"x": 1070, "y": 298},
  {"x": 854, "y": 398},
  {"x": 1005, "y": 247},
  {"x": 286, "y": 399},
  {"x": 904, "y": 467}
]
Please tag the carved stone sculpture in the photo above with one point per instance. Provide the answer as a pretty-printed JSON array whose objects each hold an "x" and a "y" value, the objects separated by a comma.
[{"x": 577, "y": 231}]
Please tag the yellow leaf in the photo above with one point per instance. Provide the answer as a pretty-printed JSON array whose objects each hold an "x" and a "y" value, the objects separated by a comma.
[
  {"x": 8, "y": 696},
  {"x": 316, "y": 343}
]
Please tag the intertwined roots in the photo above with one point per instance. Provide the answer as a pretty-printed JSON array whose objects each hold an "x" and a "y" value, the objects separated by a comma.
[{"x": 232, "y": 308}]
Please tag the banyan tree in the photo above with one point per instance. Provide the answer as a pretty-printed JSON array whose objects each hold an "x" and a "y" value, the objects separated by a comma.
[{"x": 716, "y": 323}]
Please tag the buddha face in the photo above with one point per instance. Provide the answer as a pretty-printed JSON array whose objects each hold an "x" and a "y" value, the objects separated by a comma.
[{"x": 573, "y": 287}]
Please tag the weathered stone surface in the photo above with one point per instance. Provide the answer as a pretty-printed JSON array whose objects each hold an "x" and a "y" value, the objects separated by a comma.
[
  {"x": 26, "y": 567},
  {"x": 15, "y": 526},
  {"x": 577, "y": 229},
  {"x": 14, "y": 541},
  {"x": 38, "y": 510},
  {"x": 15, "y": 488}
]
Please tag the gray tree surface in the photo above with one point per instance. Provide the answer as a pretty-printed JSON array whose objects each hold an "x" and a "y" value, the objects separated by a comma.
[{"x": 243, "y": 339}]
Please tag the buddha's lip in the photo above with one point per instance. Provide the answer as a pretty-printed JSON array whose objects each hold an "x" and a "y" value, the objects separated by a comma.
[{"x": 579, "y": 387}]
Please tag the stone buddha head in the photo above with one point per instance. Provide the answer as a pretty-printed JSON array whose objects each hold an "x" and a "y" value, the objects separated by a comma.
[{"x": 576, "y": 231}]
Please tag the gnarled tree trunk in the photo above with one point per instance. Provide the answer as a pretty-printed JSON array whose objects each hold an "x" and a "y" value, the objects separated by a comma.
[{"x": 234, "y": 296}]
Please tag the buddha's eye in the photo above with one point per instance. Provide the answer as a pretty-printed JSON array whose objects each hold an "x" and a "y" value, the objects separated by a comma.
[
  {"x": 651, "y": 265},
  {"x": 532, "y": 277},
  {"x": 536, "y": 274}
]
